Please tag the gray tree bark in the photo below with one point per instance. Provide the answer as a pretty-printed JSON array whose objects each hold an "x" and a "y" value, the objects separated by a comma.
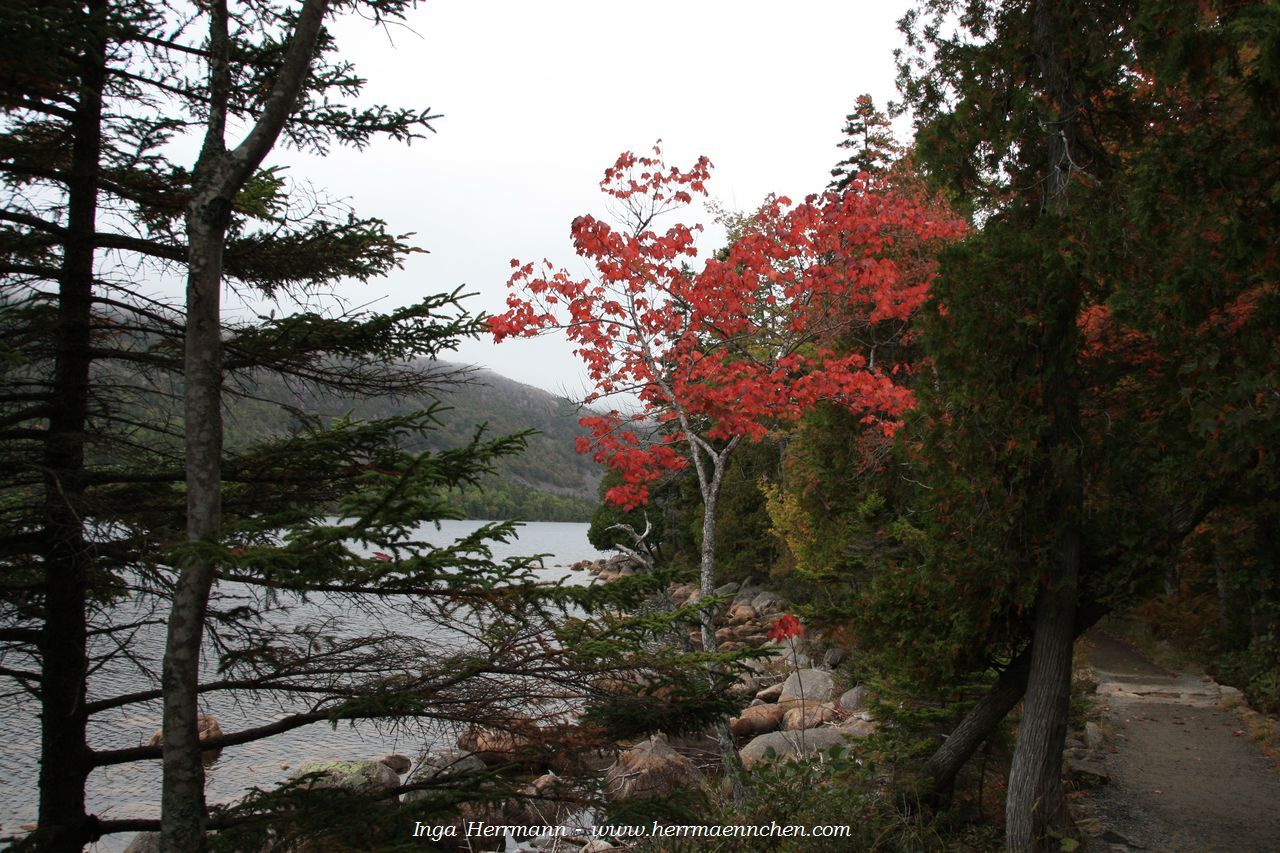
[
  {"x": 710, "y": 486},
  {"x": 218, "y": 176}
]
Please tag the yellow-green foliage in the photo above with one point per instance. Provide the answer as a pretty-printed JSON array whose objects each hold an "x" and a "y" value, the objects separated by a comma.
[{"x": 793, "y": 526}]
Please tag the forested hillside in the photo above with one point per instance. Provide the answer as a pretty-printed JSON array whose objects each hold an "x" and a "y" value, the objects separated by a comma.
[{"x": 548, "y": 482}]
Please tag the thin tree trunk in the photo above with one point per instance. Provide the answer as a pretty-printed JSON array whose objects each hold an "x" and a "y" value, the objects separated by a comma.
[
  {"x": 731, "y": 760},
  {"x": 218, "y": 176},
  {"x": 182, "y": 801},
  {"x": 64, "y": 753},
  {"x": 977, "y": 725}
]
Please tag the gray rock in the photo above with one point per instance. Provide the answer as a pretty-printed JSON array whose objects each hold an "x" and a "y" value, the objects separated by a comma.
[
  {"x": 854, "y": 700},
  {"x": 726, "y": 589},
  {"x": 833, "y": 657},
  {"x": 770, "y": 694},
  {"x": 768, "y": 602},
  {"x": 1085, "y": 773},
  {"x": 810, "y": 685},
  {"x": 1093, "y": 735},
  {"x": 144, "y": 842},
  {"x": 650, "y": 769},
  {"x": 795, "y": 744},
  {"x": 358, "y": 776},
  {"x": 448, "y": 764},
  {"x": 440, "y": 769},
  {"x": 859, "y": 725}
]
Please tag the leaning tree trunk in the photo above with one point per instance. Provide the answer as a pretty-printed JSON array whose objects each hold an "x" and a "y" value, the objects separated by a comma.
[
  {"x": 977, "y": 725},
  {"x": 218, "y": 176},
  {"x": 64, "y": 753},
  {"x": 1035, "y": 803}
]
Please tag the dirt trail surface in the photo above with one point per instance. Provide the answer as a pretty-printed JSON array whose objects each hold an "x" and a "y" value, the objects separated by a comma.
[{"x": 1182, "y": 774}]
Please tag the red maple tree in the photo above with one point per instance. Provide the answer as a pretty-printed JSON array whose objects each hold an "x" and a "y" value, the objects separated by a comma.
[{"x": 744, "y": 345}]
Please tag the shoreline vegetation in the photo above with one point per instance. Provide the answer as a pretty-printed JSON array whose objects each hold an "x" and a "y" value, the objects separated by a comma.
[{"x": 873, "y": 466}]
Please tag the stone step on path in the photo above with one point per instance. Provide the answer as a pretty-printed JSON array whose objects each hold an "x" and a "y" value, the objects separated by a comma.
[
  {"x": 1182, "y": 689},
  {"x": 1181, "y": 774}
]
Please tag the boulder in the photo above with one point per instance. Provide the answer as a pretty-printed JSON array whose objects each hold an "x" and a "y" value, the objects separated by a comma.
[
  {"x": 546, "y": 785},
  {"x": 619, "y": 562},
  {"x": 809, "y": 685},
  {"x": 726, "y": 589},
  {"x": 808, "y": 715},
  {"x": 854, "y": 700},
  {"x": 833, "y": 657},
  {"x": 786, "y": 745},
  {"x": 397, "y": 762},
  {"x": 859, "y": 725},
  {"x": 768, "y": 602},
  {"x": 651, "y": 769},
  {"x": 447, "y": 766},
  {"x": 741, "y": 613},
  {"x": 746, "y": 592},
  {"x": 757, "y": 720},
  {"x": 206, "y": 724},
  {"x": 1084, "y": 773},
  {"x": 361, "y": 777},
  {"x": 493, "y": 746},
  {"x": 144, "y": 842},
  {"x": 680, "y": 592},
  {"x": 770, "y": 694}
]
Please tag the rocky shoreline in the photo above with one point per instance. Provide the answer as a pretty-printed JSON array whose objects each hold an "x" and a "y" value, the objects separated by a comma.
[{"x": 797, "y": 707}]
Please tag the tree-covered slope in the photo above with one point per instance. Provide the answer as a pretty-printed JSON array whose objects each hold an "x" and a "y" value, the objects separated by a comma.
[{"x": 550, "y": 473}]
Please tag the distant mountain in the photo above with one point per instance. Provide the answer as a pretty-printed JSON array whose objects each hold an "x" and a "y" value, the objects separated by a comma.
[{"x": 550, "y": 467}]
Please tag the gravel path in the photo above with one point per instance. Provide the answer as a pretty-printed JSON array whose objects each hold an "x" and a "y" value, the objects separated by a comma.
[{"x": 1183, "y": 775}]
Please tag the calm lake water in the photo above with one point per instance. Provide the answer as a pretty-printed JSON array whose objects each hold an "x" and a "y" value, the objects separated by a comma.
[{"x": 133, "y": 790}]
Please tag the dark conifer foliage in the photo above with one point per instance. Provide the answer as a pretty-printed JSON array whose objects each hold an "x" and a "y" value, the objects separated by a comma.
[
  {"x": 870, "y": 142},
  {"x": 91, "y": 486},
  {"x": 1085, "y": 403}
]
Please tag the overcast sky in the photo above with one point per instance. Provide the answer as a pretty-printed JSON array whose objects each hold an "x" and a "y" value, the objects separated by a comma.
[{"x": 539, "y": 97}]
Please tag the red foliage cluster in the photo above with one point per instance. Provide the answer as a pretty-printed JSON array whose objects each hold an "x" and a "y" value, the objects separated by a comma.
[
  {"x": 741, "y": 346},
  {"x": 785, "y": 627}
]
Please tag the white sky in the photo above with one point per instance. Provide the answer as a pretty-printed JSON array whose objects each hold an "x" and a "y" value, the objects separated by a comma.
[{"x": 539, "y": 97}]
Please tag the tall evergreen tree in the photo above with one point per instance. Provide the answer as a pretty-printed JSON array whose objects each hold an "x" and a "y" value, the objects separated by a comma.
[
  {"x": 92, "y": 368},
  {"x": 1066, "y": 330},
  {"x": 870, "y": 142}
]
